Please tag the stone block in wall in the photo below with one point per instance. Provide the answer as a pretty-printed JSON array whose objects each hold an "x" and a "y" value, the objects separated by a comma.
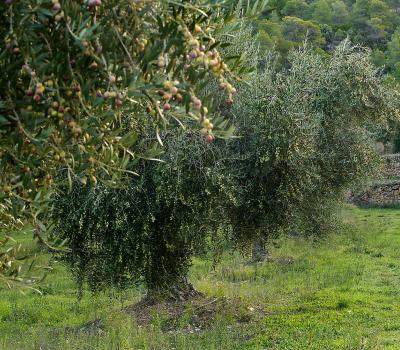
[
  {"x": 391, "y": 165},
  {"x": 378, "y": 193}
]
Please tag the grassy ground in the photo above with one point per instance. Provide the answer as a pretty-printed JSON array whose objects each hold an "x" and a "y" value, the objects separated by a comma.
[{"x": 338, "y": 293}]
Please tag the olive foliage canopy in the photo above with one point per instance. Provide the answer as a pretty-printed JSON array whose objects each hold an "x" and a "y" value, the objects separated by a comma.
[
  {"x": 303, "y": 140},
  {"x": 306, "y": 139},
  {"x": 80, "y": 82}
]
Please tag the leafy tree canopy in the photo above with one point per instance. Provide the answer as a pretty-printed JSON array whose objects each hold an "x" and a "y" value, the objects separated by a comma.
[{"x": 87, "y": 87}]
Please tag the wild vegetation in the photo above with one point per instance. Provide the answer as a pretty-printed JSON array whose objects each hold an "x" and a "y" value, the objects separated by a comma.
[{"x": 373, "y": 23}]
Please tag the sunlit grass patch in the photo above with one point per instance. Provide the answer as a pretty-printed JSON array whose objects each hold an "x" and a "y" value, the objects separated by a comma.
[{"x": 338, "y": 292}]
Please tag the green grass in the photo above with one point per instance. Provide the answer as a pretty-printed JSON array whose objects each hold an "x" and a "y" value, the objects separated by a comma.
[{"x": 341, "y": 292}]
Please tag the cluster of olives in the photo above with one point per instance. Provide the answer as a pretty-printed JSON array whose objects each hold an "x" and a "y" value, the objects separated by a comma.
[{"x": 200, "y": 55}]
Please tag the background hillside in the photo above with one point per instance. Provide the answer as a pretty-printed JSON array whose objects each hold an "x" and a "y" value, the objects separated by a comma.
[{"x": 373, "y": 23}]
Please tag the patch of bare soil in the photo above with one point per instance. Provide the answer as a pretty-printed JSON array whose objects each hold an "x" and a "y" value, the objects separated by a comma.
[{"x": 192, "y": 315}]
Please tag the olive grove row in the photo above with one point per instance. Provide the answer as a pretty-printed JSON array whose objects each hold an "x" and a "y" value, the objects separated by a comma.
[{"x": 143, "y": 131}]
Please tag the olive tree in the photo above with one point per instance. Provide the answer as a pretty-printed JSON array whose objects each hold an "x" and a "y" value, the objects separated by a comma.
[
  {"x": 149, "y": 230},
  {"x": 81, "y": 79},
  {"x": 305, "y": 140},
  {"x": 285, "y": 170}
]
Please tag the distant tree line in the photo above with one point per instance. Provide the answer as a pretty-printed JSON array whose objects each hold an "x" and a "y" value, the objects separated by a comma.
[{"x": 374, "y": 23}]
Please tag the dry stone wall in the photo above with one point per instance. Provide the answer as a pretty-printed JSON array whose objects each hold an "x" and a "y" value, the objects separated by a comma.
[
  {"x": 383, "y": 192},
  {"x": 379, "y": 194}
]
